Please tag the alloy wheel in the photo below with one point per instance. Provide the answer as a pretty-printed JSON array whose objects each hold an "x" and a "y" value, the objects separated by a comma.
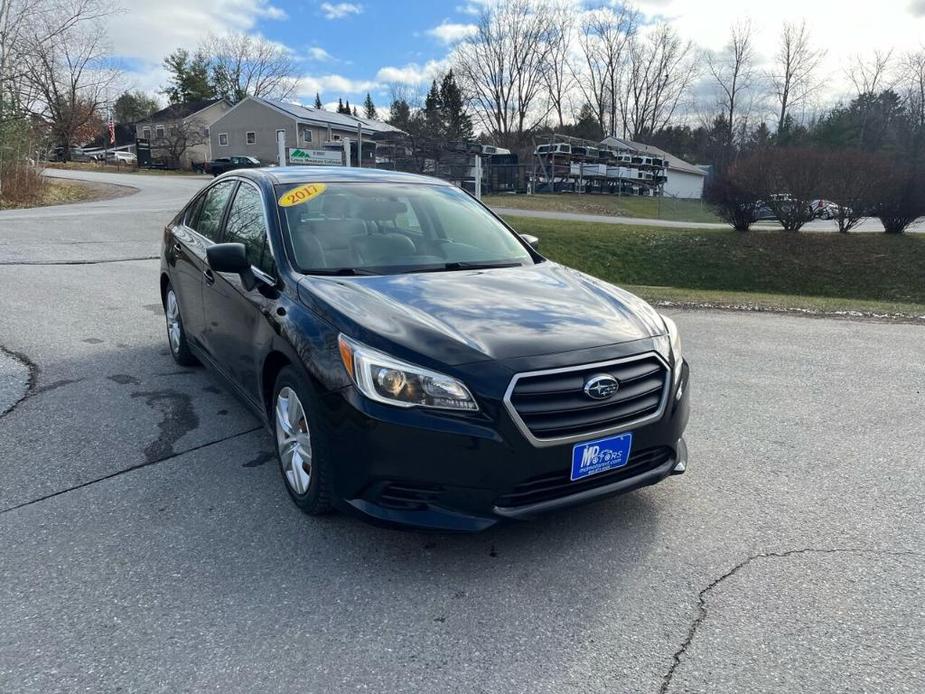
[
  {"x": 293, "y": 440},
  {"x": 173, "y": 321}
]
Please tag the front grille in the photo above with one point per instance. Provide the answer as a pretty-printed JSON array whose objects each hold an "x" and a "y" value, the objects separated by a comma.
[
  {"x": 559, "y": 484},
  {"x": 407, "y": 495},
  {"x": 554, "y": 405}
]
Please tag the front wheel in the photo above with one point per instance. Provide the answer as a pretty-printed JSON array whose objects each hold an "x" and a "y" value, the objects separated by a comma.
[
  {"x": 176, "y": 335},
  {"x": 300, "y": 449}
]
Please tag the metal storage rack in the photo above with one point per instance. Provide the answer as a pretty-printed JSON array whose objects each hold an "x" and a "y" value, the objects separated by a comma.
[{"x": 568, "y": 164}]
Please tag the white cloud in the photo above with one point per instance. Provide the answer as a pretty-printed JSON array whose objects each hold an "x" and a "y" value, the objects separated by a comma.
[
  {"x": 449, "y": 33},
  {"x": 340, "y": 10},
  {"x": 320, "y": 55},
  {"x": 413, "y": 73},
  {"x": 338, "y": 84},
  {"x": 885, "y": 25},
  {"x": 473, "y": 8},
  {"x": 149, "y": 31}
]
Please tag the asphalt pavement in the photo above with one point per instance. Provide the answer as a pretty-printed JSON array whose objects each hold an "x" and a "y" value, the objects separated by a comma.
[{"x": 147, "y": 542}]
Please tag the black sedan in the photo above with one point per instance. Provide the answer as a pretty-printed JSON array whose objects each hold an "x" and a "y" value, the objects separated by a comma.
[
  {"x": 221, "y": 165},
  {"x": 416, "y": 360}
]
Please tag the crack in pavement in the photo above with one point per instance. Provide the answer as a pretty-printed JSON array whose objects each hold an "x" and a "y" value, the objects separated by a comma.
[
  {"x": 41, "y": 263},
  {"x": 128, "y": 469},
  {"x": 32, "y": 374},
  {"x": 702, "y": 606}
]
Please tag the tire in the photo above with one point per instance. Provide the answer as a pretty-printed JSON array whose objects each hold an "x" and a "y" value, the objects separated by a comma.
[
  {"x": 297, "y": 437},
  {"x": 176, "y": 334}
]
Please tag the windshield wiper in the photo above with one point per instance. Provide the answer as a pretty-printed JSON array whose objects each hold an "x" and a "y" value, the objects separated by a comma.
[
  {"x": 342, "y": 271},
  {"x": 475, "y": 265},
  {"x": 460, "y": 265}
]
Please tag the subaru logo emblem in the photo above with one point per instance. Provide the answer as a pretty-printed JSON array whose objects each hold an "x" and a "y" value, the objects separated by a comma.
[{"x": 601, "y": 386}]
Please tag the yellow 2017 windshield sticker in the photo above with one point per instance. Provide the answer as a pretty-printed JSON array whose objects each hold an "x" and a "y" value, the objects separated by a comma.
[{"x": 300, "y": 194}]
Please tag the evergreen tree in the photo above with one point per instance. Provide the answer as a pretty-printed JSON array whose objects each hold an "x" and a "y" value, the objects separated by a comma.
[
  {"x": 433, "y": 113},
  {"x": 457, "y": 125},
  {"x": 131, "y": 107},
  {"x": 347, "y": 107},
  {"x": 587, "y": 125},
  {"x": 369, "y": 108},
  {"x": 355, "y": 114},
  {"x": 400, "y": 115},
  {"x": 340, "y": 105},
  {"x": 318, "y": 102},
  {"x": 189, "y": 77}
]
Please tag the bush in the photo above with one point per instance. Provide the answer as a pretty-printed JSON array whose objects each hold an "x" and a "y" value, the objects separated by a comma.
[
  {"x": 852, "y": 180},
  {"x": 734, "y": 203},
  {"x": 21, "y": 183},
  {"x": 901, "y": 198}
]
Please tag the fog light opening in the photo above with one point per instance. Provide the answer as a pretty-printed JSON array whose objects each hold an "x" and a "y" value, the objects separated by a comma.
[{"x": 681, "y": 456}]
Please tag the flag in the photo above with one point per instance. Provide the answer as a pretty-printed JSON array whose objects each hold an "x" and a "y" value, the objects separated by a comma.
[{"x": 112, "y": 130}]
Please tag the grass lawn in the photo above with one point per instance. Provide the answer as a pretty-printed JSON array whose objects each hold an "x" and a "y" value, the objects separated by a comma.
[
  {"x": 875, "y": 273},
  {"x": 611, "y": 205},
  {"x": 56, "y": 191}
]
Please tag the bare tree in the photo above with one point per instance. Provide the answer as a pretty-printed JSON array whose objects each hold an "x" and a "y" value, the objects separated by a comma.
[
  {"x": 559, "y": 78},
  {"x": 871, "y": 74},
  {"x": 793, "y": 72},
  {"x": 733, "y": 71},
  {"x": 178, "y": 138},
  {"x": 69, "y": 71},
  {"x": 244, "y": 65},
  {"x": 26, "y": 25},
  {"x": 603, "y": 40},
  {"x": 502, "y": 67},
  {"x": 658, "y": 75},
  {"x": 913, "y": 83}
]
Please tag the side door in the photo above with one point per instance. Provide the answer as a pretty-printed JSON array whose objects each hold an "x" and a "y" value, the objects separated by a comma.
[
  {"x": 199, "y": 228},
  {"x": 236, "y": 319}
]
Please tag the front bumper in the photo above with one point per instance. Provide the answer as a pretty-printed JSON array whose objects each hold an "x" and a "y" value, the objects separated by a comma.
[{"x": 415, "y": 467}]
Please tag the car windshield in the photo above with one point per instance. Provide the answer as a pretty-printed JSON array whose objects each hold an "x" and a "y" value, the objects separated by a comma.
[{"x": 386, "y": 228}]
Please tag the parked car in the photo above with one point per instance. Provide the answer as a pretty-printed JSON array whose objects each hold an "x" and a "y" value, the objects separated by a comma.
[
  {"x": 120, "y": 157},
  {"x": 417, "y": 360},
  {"x": 826, "y": 209},
  {"x": 74, "y": 154},
  {"x": 220, "y": 165}
]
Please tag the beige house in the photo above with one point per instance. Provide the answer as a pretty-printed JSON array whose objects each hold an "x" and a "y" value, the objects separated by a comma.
[
  {"x": 180, "y": 133},
  {"x": 250, "y": 128}
]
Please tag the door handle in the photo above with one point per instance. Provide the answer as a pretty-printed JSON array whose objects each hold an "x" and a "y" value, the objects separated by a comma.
[
  {"x": 210, "y": 278},
  {"x": 178, "y": 247}
]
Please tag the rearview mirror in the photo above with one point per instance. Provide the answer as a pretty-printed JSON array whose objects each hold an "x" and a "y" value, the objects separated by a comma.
[
  {"x": 228, "y": 257},
  {"x": 532, "y": 241}
]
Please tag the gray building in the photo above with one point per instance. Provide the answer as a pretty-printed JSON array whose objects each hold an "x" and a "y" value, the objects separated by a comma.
[
  {"x": 250, "y": 128},
  {"x": 180, "y": 132}
]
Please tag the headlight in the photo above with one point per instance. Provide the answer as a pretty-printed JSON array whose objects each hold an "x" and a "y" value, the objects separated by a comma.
[
  {"x": 674, "y": 342},
  {"x": 386, "y": 379}
]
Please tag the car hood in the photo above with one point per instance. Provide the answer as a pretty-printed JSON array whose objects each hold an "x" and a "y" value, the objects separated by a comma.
[{"x": 465, "y": 316}]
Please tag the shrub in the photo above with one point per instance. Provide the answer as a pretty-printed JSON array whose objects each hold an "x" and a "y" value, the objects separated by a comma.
[
  {"x": 731, "y": 198},
  {"x": 900, "y": 198},
  {"x": 21, "y": 183}
]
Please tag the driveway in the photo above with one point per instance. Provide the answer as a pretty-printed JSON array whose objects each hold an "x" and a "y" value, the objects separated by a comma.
[{"x": 147, "y": 542}]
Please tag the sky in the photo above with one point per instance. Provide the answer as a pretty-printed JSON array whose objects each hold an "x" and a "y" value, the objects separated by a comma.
[{"x": 346, "y": 49}]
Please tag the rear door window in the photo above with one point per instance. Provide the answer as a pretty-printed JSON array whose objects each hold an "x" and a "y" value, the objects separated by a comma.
[{"x": 209, "y": 219}]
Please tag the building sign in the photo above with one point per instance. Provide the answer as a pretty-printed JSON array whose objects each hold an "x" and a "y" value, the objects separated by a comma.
[{"x": 316, "y": 157}]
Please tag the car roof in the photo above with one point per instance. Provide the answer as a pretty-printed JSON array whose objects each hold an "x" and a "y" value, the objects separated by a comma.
[{"x": 335, "y": 174}]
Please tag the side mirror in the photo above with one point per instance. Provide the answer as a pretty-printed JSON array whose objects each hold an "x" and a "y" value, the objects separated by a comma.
[
  {"x": 228, "y": 257},
  {"x": 532, "y": 241}
]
